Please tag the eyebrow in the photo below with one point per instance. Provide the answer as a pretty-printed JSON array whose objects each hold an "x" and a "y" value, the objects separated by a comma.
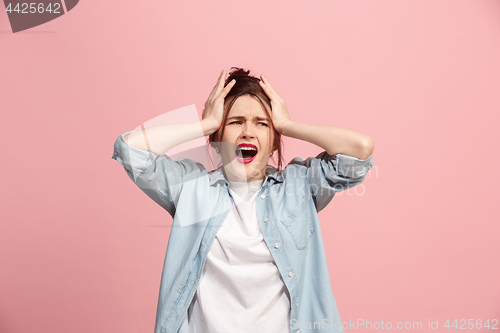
[{"x": 243, "y": 117}]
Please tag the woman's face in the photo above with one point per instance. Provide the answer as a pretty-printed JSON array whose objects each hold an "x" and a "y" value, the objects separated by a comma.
[{"x": 248, "y": 140}]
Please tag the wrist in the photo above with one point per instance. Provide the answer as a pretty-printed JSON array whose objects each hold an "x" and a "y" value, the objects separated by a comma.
[
  {"x": 283, "y": 126},
  {"x": 209, "y": 126}
]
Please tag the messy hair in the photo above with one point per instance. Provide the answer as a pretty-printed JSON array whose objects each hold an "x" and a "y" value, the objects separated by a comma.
[{"x": 247, "y": 84}]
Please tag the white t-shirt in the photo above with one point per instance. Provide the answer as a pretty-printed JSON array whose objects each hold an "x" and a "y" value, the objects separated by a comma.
[{"x": 241, "y": 289}]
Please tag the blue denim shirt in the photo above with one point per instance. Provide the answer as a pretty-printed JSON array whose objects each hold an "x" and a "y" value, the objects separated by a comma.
[{"x": 287, "y": 209}]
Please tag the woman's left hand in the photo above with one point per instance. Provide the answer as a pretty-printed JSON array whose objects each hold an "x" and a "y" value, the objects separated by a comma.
[{"x": 279, "y": 110}]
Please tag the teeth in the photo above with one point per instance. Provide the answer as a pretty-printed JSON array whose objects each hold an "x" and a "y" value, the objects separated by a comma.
[{"x": 247, "y": 148}]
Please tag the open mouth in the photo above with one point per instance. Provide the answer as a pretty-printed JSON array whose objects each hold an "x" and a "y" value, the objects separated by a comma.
[{"x": 246, "y": 152}]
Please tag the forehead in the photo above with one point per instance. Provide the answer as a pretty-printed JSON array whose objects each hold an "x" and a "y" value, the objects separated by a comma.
[{"x": 247, "y": 106}]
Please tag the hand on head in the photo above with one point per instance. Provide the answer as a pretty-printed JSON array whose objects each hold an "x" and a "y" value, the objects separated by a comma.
[
  {"x": 214, "y": 106},
  {"x": 279, "y": 109}
]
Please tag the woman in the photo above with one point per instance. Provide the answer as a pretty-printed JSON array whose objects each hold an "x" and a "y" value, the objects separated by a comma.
[{"x": 245, "y": 252}]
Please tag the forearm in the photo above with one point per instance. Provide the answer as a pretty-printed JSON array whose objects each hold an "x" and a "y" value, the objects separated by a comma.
[
  {"x": 163, "y": 138},
  {"x": 335, "y": 140}
]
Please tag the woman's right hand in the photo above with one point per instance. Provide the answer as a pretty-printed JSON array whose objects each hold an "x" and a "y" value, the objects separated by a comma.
[{"x": 214, "y": 106}]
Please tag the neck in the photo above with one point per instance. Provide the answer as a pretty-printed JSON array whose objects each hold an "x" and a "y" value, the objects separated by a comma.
[{"x": 244, "y": 178}]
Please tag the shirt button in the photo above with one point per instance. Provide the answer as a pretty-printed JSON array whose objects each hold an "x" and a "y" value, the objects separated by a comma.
[
  {"x": 265, "y": 220},
  {"x": 290, "y": 274},
  {"x": 276, "y": 245},
  {"x": 262, "y": 196}
]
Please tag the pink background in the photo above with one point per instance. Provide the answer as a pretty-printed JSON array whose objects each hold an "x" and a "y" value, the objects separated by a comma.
[{"x": 82, "y": 248}]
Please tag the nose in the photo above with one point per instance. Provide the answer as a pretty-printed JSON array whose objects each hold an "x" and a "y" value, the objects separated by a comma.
[{"x": 248, "y": 131}]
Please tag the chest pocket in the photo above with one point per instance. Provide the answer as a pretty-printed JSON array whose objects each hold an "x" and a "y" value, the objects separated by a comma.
[{"x": 299, "y": 225}]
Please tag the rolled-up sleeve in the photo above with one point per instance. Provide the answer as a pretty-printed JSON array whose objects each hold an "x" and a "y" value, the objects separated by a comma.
[
  {"x": 345, "y": 170},
  {"x": 327, "y": 174},
  {"x": 158, "y": 176},
  {"x": 133, "y": 160}
]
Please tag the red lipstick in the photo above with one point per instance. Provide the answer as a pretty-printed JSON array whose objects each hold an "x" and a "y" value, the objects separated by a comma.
[{"x": 246, "y": 152}]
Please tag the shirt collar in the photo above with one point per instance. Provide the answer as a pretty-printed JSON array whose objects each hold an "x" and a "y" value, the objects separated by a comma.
[{"x": 218, "y": 175}]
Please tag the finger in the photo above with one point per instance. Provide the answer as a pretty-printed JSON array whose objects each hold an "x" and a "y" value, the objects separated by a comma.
[
  {"x": 220, "y": 87},
  {"x": 215, "y": 91},
  {"x": 227, "y": 89},
  {"x": 271, "y": 87},
  {"x": 266, "y": 81},
  {"x": 270, "y": 93}
]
